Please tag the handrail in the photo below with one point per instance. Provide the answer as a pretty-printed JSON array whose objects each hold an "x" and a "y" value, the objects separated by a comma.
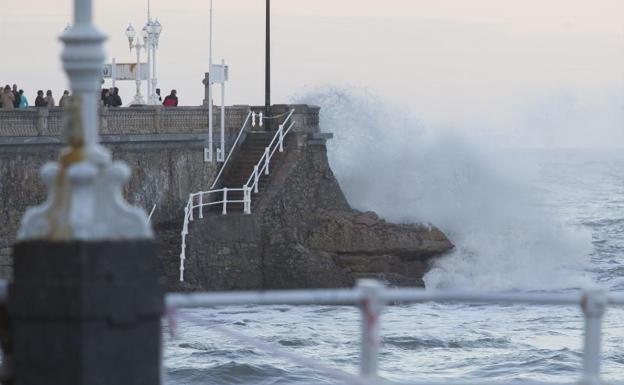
[
  {"x": 240, "y": 132},
  {"x": 277, "y": 142},
  {"x": 372, "y": 296},
  {"x": 264, "y": 161}
]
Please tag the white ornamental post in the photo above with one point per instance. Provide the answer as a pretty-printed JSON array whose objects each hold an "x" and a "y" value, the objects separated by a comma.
[
  {"x": 85, "y": 286},
  {"x": 84, "y": 187},
  {"x": 594, "y": 305},
  {"x": 371, "y": 308}
]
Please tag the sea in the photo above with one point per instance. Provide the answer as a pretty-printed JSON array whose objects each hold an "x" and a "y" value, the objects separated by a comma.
[{"x": 522, "y": 220}]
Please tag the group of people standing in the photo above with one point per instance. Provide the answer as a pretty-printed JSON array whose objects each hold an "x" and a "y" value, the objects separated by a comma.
[
  {"x": 110, "y": 97},
  {"x": 14, "y": 98}
]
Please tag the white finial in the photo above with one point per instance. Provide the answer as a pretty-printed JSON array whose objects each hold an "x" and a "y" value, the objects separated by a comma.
[{"x": 85, "y": 199}]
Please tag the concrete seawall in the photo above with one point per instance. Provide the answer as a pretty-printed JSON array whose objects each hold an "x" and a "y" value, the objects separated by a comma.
[{"x": 163, "y": 147}]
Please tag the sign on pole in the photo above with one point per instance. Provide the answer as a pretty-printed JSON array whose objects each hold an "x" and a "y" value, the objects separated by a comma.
[
  {"x": 124, "y": 71},
  {"x": 219, "y": 73}
]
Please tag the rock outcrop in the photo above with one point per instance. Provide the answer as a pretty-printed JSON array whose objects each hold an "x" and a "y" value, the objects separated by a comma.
[{"x": 304, "y": 234}]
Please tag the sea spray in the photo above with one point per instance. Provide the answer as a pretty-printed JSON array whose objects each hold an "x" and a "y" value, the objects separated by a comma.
[{"x": 481, "y": 196}]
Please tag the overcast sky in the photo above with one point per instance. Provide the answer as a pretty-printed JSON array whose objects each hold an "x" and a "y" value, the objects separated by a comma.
[{"x": 526, "y": 72}]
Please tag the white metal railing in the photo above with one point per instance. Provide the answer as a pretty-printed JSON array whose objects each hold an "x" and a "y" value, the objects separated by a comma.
[
  {"x": 204, "y": 197},
  {"x": 276, "y": 144},
  {"x": 227, "y": 159},
  {"x": 372, "y": 296}
]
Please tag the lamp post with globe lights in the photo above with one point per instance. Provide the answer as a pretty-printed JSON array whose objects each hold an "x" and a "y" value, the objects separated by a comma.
[
  {"x": 138, "y": 46},
  {"x": 154, "y": 28}
]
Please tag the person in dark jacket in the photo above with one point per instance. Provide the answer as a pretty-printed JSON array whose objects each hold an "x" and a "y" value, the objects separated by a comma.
[
  {"x": 16, "y": 95},
  {"x": 40, "y": 100},
  {"x": 115, "y": 98},
  {"x": 171, "y": 100},
  {"x": 105, "y": 97},
  {"x": 158, "y": 93}
]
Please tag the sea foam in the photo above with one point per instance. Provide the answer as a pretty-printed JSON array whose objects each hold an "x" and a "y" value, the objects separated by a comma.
[{"x": 480, "y": 195}]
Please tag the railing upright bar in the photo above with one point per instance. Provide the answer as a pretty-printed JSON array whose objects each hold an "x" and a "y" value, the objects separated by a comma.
[
  {"x": 191, "y": 199},
  {"x": 247, "y": 199},
  {"x": 256, "y": 177},
  {"x": 594, "y": 304},
  {"x": 225, "y": 191},
  {"x": 370, "y": 308},
  {"x": 201, "y": 205}
]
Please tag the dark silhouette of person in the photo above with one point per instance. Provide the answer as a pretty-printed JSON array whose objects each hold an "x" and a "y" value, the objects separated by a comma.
[
  {"x": 158, "y": 93},
  {"x": 40, "y": 100},
  {"x": 115, "y": 98}
]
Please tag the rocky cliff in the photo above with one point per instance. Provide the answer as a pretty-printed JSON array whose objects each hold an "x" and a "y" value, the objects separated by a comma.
[{"x": 304, "y": 234}]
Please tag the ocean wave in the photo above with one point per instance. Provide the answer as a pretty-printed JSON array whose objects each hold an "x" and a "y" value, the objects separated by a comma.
[
  {"x": 414, "y": 343},
  {"x": 482, "y": 197}
]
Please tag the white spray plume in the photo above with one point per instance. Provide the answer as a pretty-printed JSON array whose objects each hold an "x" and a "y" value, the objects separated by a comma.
[{"x": 481, "y": 197}]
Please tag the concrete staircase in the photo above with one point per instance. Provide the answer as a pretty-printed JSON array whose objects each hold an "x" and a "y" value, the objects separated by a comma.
[{"x": 241, "y": 166}]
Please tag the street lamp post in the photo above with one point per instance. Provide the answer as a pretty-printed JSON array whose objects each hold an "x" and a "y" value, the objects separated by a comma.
[
  {"x": 136, "y": 44},
  {"x": 154, "y": 31},
  {"x": 154, "y": 28}
]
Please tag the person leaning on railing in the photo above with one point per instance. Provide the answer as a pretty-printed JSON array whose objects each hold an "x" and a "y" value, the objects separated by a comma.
[
  {"x": 171, "y": 100},
  {"x": 40, "y": 100},
  {"x": 7, "y": 98}
]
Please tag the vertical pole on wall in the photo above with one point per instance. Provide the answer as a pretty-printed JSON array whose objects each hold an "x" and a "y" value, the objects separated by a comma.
[
  {"x": 222, "y": 152},
  {"x": 267, "y": 69},
  {"x": 114, "y": 73},
  {"x": 210, "y": 90},
  {"x": 148, "y": 48}
]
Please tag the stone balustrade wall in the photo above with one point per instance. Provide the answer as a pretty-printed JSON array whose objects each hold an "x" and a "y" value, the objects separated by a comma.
[{"x": 48, "y": 122}]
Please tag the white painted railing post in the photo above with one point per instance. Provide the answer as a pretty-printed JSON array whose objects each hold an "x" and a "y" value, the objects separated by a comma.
[
  {"x": 266, "y": 160},
  {"x": 281, "y": 137},
  {"x": 370, "y": 307},
  {"x": 594, "y": 304},
  {"x": 247, "y": 199},
  {"x": 201, "y": 205},
  {"x": 182, "y": 259},
  {"x": 191, "y": 207},
  {"x": 256, "y": 179},
  {"x": 225, "y": 191}
]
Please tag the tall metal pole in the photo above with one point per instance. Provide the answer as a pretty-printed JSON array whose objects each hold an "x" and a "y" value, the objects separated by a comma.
[
  {"x": 267, "y": 79},
  {"x": 210, "y": 89}
]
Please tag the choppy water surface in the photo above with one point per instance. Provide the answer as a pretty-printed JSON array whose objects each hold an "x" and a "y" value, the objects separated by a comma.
[
  {"x": 540, "y": 220},
  {"x": 437, "y": 341}
]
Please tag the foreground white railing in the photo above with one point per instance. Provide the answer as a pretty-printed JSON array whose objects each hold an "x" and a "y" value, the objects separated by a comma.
[
  {"x": 202, "y": 199},
  {"x": 371, "y": 296}
]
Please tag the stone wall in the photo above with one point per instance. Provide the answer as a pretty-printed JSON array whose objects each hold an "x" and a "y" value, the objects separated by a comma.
[
  {"x": 162, "y": 174},
  {"x": 163, "y": 147}
]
